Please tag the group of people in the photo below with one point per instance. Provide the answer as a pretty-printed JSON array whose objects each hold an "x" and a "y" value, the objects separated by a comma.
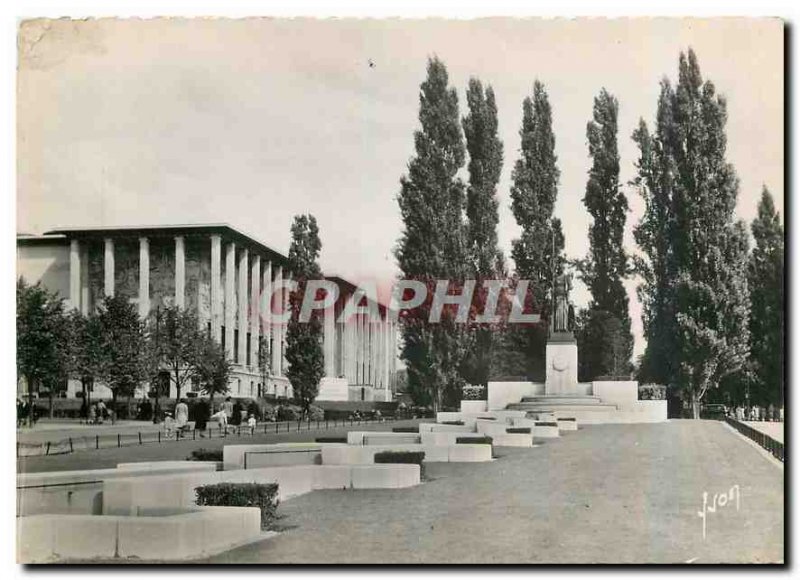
[
  {"x": 203, "y": 415},
  {"x": 757, "y": 413},
  {"x": 98, "y": 413},
  {"x": 24, "y": 410}
]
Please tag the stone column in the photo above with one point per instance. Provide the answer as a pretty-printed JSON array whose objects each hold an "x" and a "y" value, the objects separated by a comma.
[
  {"x": 216, "y": 274},
  {"x": 108, "y": 268},
  {"x": 277, "y": 335},
  {"x": 75, "y": 274},
  {"x": 266, "y": 308},
  {"x": 329, "y": 340},
  {"x": 387, "y": 354},
  {"x": 180, "y": 272},
  {"x": 255, "y": 309},
  {"x": 84, "y": 259},
  {"x": 242, "y": 302},
  {"x": 230, "y": 298},
  {"x": 144, "y": 277}
]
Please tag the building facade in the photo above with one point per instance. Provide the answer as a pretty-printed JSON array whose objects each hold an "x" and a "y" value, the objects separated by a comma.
[{"x": 235, "y": 285}]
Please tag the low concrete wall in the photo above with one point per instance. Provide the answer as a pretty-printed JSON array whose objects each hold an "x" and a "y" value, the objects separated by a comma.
[
  {"x": 202, "y": 532},
  {"x": 513, "y": 440},
  {"x": 500, "y": 394},
  {"x": 545, "y": 432},
  {"x": 365, "y": 455},
  {"x": 81, "y": 492},
  {"x": 470, "y": 419},
  {"x": 445, "y": 438},
  {"x": 623, "y": 394},
  {"x": 567, "y": 425},
  {"x": 234, "y": 456},
  {"x": 474, "y": 406},
  {"x": 157, "y": 494},
  {"x": 492, "y": 428},
  {"x": 381, "y": 438}
]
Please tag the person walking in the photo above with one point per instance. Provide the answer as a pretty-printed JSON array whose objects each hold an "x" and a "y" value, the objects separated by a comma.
[
  {"x": 181, "y": 416},
  {"x": 251, "y": 423},
  {"x": 201, "y": 413},
  {"x": 227, "y": 407}
]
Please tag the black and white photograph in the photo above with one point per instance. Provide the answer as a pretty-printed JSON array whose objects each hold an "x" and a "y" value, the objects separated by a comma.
[{"x": 400, "y": 291}]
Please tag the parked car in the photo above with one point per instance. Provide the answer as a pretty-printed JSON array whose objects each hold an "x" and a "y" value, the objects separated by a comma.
[{"x": 713, "y": 411}]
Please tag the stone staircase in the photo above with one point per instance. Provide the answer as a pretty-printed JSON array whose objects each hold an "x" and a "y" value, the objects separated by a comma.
[{"x": 587, "y": 409}]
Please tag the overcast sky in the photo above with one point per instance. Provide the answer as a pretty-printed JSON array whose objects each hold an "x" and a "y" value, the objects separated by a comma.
[{"x": 253, "y": 121}]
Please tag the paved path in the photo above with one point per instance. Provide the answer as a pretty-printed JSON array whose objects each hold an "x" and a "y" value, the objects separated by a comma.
[
  {"x": 773, "y": 429},
  {"x": 607, "y": 493},
  {"x": 180, "y": 449}
]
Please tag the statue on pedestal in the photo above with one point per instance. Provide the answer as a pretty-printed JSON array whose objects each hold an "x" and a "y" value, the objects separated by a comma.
[{"x": 564, "y": 314}]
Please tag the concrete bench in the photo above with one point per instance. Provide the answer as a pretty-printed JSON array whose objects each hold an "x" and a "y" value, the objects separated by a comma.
[
  {"x": 360, "y": 455},
  {"x": 81, "y": 492},
  {"x": 157, "y": 494},
  {"x": 513, "y": 440},
  {"x": 567, "y": 424},
  {"x": 201, "y": 531},
  {"x": 381, "y": 438},
  {"x": 545, "y": 430},
  {"x": 440, "y": 428},
  {"x": 243, "y": 456}
]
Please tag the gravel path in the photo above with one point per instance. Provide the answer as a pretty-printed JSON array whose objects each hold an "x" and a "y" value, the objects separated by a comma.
[{"x": 607, "y": 493}]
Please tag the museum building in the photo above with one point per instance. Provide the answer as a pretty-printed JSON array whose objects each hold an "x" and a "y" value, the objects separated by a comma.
[{"x": 232, "y": 282}]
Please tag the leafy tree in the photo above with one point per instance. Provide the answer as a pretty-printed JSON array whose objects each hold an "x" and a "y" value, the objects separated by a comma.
[
  {"x": 433, "y": 242},
  {"x": 304, "y": 340},
  {"x": 213, "y": 369},
  {"x": 485, "y": 164},
  {"x": 695, "y": 297},
  {"x": 41, "y": 338},
  {"x": 538, "y": 252},
  {"x": 765, "y": 274},
  {"x": 123, "y": 365},
  {"x": 176, "y": 344},
  {"x": 85, "y": 350},
  {"x": 606, "y": 266}
]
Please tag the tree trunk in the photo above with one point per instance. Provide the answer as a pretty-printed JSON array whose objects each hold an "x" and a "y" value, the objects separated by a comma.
[
  {"x": 50, "y": 403},
  {"x": 695, "y": 405},
  {"x": 31, "y": 382}
]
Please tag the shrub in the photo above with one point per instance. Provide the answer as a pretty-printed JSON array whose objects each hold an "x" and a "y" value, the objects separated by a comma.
[
  {"x": 485, "y": 440},
  {"x": 254, "y": 410},
  {"x": 316, "y": 413},
  {"x": 488, "y": 418},
  {"x": 203, "y": 454},
  {"x": 546, "y": 424},
  {"x": 452, "y": 422},
  {"x": 260, "y": 495},
  {"x": 652, "y": 392},
  {"x": 415, "y": 457},
  {"x": 405, "y": 429},
  {"x": 518, "y": 430},
  {"x": 331, "y": 439},
  {"x": 473, "y": 393},
  {"x": 288, "y": 413}
]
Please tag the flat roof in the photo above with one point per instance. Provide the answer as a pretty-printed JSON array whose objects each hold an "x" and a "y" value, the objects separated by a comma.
[{"x": 225, "y": 230}]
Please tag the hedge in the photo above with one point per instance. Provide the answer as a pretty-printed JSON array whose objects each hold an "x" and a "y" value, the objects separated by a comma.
[
  {"x": 260, "y": 495},
  {"x": 203, "y": 454},
  {"x": 405, "y": 429},
  {"x": 546, "y": 424},
  {"x": 331, "y": 439},
  {"x": 488, "y": 418},
  {"x": 485, "y": 440},
  {"x": 652, "y": 392},
  {"x": 452, "y": 422},
  {"x": 518, "y": 430}
]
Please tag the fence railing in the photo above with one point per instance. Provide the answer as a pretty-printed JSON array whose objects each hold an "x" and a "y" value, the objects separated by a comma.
[
  {"x": 773, "y": 446},
  {"x": 129, "y": 439}
]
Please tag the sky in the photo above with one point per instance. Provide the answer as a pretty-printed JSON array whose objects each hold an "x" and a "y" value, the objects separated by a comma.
[{"x": 250, "y": 122}]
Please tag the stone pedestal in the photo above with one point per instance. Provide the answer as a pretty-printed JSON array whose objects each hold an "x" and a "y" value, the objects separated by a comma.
[{"x": 561, "y": 360}]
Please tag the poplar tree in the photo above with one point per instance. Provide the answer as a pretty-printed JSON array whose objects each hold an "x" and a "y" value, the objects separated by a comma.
[
  {"x": 767, "y": 327},
  {"x": 606, "y": 342},
  {"x": 695, "y": 285},
  {"x": 433, "y": 241},
  {"x": 304, "y": 339},
  {"x": 486, "y": 259},
  {"x": 538, "y": 252}
]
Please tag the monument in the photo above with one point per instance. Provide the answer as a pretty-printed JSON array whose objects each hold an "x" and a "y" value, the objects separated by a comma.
[{"x": 561, "y": 353}]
